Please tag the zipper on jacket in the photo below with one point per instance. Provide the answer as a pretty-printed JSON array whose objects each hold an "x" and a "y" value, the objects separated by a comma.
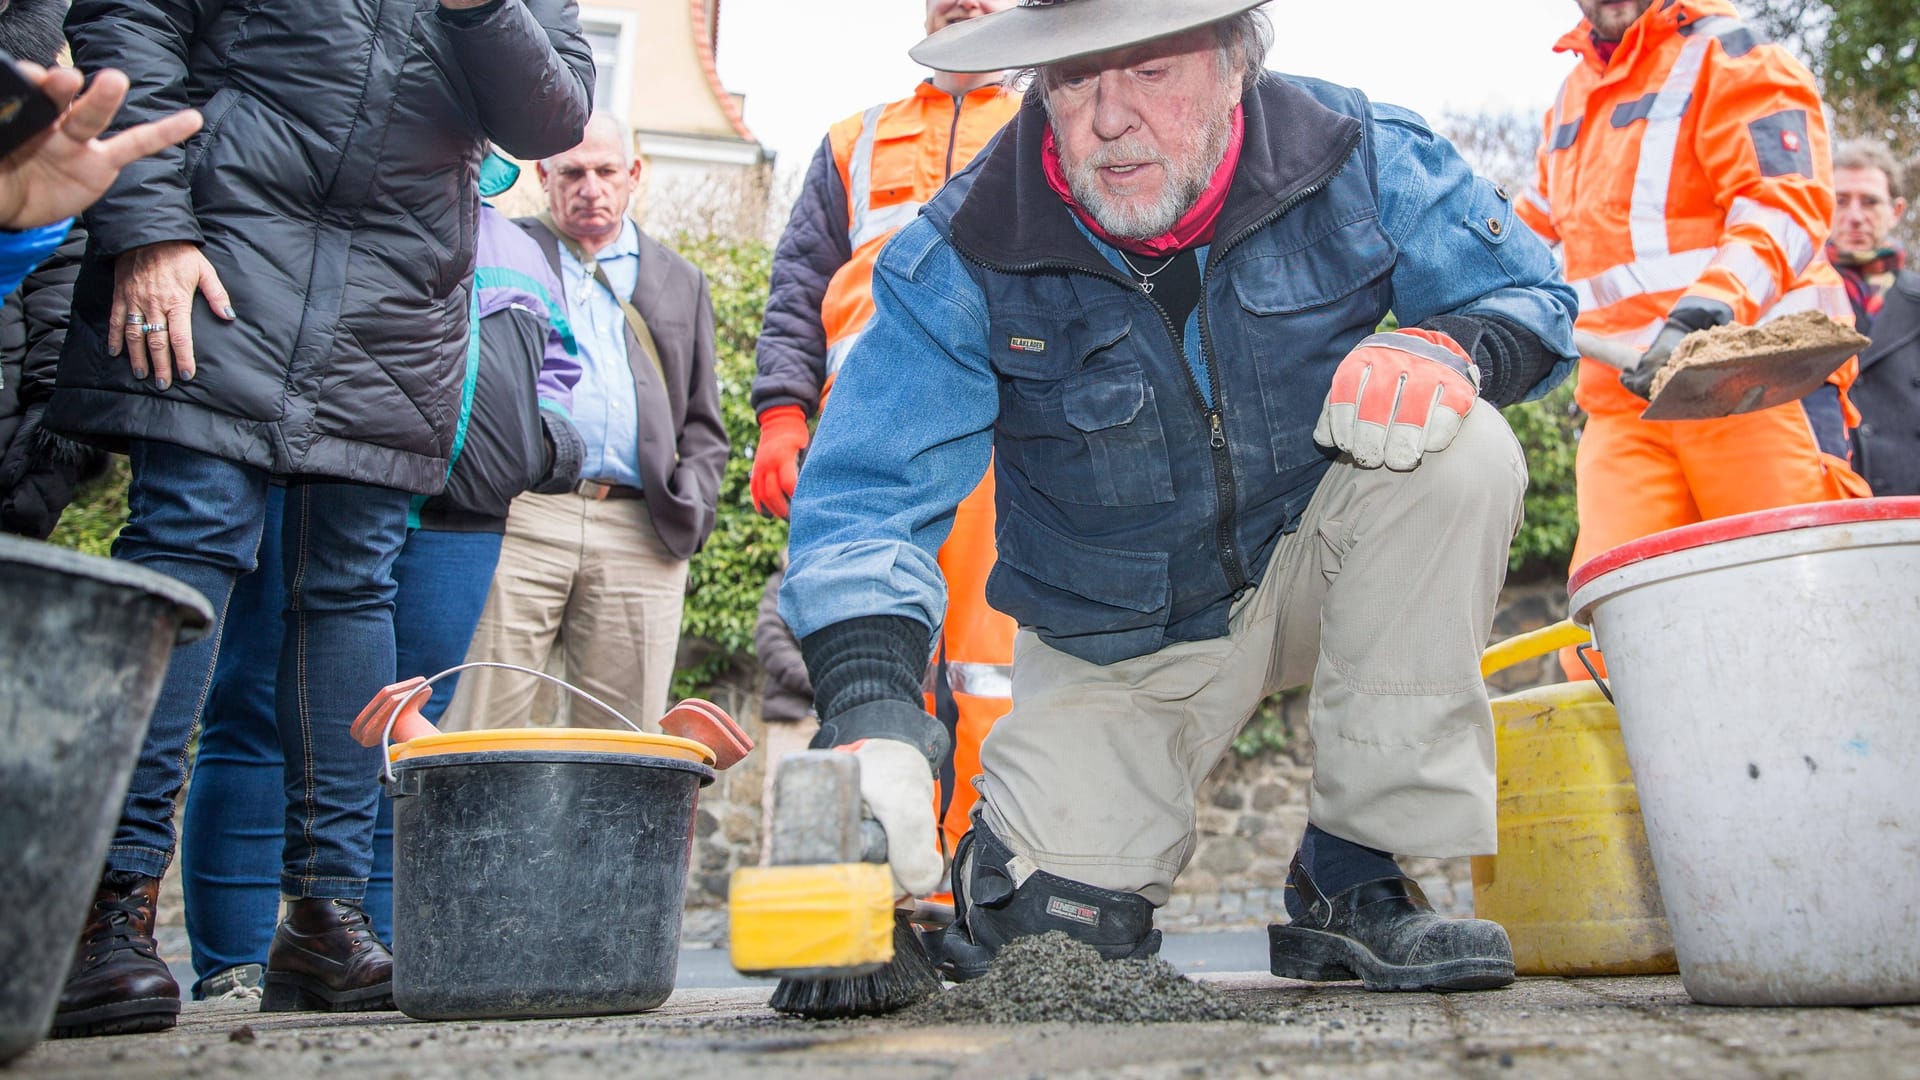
[
  {"x": 953, "y": 134},
  {"x": 1225, "y": 490},
  {"x": 1216, "y": 438}
]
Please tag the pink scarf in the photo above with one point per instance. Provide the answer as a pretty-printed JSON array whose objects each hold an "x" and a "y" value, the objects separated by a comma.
[{"x": 1194, "y": 227}]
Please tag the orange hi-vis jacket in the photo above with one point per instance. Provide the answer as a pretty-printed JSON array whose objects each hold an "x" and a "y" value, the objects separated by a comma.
[
  {"x": 1691, "y": 170},
  {"x": 892, "y": 159}
]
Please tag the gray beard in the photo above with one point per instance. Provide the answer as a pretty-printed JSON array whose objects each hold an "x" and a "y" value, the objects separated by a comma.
[{"x": 1131, "y": 221}]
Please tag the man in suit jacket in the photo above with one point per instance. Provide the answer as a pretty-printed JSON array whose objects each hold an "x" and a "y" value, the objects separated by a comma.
[
  {"x": 1870, "y": 190},
  {"x": 600, "y": 573}
]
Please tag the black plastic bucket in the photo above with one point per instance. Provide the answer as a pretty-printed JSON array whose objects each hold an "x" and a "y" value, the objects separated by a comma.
[
  {"x": 533, "y": 883},
  {"x": 84, "y": 643}
]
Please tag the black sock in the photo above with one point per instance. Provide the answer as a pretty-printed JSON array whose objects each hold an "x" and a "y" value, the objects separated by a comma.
[{"x": 1336, "y": 865}]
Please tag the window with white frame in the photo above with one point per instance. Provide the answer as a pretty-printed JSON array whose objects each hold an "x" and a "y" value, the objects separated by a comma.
[{"x": 611, "y": 34}]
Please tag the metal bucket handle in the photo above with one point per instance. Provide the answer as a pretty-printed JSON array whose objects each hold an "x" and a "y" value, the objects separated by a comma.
[{"x": 386, "y": 733}]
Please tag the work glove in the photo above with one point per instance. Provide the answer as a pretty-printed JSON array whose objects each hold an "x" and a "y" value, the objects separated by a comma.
[
  {"x": 1639, "y": 378},
  {"x": 1397, "y": 396},
  {"x": 776, "y": 463},
  {"x": 897, "y": 786}
]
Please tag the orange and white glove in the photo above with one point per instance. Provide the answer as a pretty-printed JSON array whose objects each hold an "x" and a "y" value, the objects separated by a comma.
[
  {"x": 897, "y": 787},
  {"x": 1397, "y": 396},
  {"x": 776, "y": 462}
]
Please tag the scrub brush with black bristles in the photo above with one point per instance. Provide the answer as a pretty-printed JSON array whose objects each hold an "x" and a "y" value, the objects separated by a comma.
[{"x": 907, "y": 979}]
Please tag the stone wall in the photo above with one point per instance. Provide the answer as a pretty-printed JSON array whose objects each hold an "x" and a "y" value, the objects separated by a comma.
[{"x": 1251, "y": 813}]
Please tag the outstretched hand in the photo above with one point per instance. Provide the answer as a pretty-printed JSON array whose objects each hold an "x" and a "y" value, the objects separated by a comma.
[{"x": 61, "y": 171}]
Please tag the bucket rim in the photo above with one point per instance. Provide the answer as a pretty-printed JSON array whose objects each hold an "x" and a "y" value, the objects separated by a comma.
[
  {"x": 1757, "y": 523},
  {"x": 1736, "y": 553},
  {"x": 193, "y": 610},
  {"x": 700, "y": 769},
  {"x": 533, "y": 740}
]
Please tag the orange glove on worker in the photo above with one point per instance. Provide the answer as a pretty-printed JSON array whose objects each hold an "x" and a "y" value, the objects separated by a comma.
[
  {"x": 1397, "y": 396},
  {"x": 776, "y": 464}
]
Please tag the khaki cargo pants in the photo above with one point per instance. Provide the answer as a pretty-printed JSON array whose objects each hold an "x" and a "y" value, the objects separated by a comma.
[{"x": 1383, "y": 599}]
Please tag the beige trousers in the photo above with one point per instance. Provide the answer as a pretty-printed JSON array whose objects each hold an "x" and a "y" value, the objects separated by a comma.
[
  {"x": 1383, "y": 599},
  {"x": 589, "y": 584}
]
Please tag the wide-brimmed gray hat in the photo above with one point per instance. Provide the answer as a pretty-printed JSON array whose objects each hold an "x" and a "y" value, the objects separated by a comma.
[{"x": 1041, "y": 32}]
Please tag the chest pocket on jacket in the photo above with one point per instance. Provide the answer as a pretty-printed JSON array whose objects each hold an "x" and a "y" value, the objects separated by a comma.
[
  {"x": 896, "y": 163},
  {"x": 1301, "y": 306},
  {"x": 1078, "y": 414}
]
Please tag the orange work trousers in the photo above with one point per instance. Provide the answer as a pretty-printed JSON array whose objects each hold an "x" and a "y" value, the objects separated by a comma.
[
  {"x": 1635, "y": 477},
  {"x": 974, "y": 657}
]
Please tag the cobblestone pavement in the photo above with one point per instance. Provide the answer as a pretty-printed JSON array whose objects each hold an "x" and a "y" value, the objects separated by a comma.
[{"x": 1537, "y": 1028}]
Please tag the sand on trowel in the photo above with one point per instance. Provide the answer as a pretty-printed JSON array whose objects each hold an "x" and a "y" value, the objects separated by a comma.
[
  {"x": 1052, "y": 977},
  {"x": 1732, "y": 344}
]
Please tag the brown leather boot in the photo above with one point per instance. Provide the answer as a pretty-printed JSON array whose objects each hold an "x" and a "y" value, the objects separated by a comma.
[
  {"x": 118, "y": 984},
  {"x": 326, "y": 958}
]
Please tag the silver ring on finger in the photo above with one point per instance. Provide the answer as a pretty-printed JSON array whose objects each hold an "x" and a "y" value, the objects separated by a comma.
[
  {"x": 134, "y": 318},
  {"x": 154, "y": 328}
]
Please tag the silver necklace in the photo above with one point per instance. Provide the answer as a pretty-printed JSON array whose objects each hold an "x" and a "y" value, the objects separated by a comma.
[{"x": 1146, "y": 280}]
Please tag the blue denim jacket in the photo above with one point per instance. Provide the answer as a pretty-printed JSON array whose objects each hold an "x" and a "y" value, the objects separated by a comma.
[{"x": 917, "y": 403}]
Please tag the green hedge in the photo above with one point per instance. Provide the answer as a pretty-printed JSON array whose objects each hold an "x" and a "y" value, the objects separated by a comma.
[
  {"x": 727, "y": 577},
  {"x": 1549, "y": 430}
]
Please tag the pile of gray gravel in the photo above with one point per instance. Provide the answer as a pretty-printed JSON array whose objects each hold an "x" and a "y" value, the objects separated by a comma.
[{"x": 1052, "y": 977}]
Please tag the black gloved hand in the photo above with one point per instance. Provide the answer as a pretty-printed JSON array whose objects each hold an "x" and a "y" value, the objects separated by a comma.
[
  {"x": 565, "y": 454},
  {"x": 1680, "y": 323},
  {"x": 1639, "y": 378},
  {"x": 40, "y": 473}
]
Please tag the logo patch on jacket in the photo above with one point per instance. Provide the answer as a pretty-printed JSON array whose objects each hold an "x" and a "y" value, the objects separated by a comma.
[
  {"x": 1781, "y": 143},
  {"x": 1066, "y": 909},
  {"x": 1026, "y": 344}
]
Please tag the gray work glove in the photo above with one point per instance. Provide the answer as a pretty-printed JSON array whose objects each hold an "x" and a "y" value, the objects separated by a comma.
[{"x": 1639, "y": 378}]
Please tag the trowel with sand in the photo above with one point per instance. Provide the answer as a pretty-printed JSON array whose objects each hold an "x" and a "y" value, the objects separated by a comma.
[{"x": 1728, "y": 370}]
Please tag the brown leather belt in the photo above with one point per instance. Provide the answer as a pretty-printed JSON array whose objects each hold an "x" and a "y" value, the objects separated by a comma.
[{"x": 597, "y": 491}]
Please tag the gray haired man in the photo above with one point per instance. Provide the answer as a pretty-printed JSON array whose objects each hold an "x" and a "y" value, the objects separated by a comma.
[{"x": 1153, "y": 302}]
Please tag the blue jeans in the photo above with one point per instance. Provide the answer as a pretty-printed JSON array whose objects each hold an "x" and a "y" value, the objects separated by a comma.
[
  {"x": 200, "y": 519},
  {"x": 231, "y": 835}
]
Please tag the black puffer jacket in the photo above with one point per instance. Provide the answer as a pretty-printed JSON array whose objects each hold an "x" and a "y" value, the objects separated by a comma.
[
  {"x": 38, "y": 470},
  {"x": 332, "y": 188}
]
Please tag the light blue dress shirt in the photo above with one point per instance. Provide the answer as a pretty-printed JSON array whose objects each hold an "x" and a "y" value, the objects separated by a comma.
[{"x": 606, "y": 409}]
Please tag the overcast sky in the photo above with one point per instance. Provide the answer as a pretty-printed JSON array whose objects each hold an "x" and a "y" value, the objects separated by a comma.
[{"x": 805, "y": 63}]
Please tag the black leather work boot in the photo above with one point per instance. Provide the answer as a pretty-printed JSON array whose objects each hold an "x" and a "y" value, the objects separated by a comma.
[
  {"x": 1385, "y": 934},
  {"x": 326, "y": 958},
  {"x": 118, "y": 984},
  {"x": 990, "y": 911}
]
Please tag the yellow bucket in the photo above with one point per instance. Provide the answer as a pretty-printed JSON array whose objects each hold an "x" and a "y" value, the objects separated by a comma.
[{"x": 1573, "y": 883}]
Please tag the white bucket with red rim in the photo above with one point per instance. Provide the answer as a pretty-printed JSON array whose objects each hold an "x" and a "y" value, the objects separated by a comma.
[{"x": 1766, "y": 668}]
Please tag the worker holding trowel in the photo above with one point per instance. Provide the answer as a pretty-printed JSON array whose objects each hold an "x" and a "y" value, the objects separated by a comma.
[
  {"x": 1684, "y": 172},
  {"x": 1152, "y": 303}
]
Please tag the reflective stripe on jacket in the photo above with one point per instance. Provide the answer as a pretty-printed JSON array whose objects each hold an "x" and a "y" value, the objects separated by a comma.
[
  {"x": 1692, "y": 169},
  {"x": 892, "y": 159},
  {"x": 897, "y": 155}
]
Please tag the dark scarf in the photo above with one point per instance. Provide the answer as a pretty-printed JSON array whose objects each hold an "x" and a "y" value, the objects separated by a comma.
[{"x": 1868, "y": 275}]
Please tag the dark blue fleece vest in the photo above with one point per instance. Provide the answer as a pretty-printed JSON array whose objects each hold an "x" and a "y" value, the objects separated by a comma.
[{"x": 1132, "y": 512}]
